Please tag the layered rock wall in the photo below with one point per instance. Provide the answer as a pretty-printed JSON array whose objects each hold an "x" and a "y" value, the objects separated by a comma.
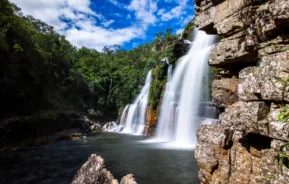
[{"x": 252, "y": 90}]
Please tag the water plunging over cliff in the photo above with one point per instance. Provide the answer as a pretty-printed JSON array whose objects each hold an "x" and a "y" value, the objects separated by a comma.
[
  {"x": 134, "y": 117},
  {"x": 179, "y": 119}
]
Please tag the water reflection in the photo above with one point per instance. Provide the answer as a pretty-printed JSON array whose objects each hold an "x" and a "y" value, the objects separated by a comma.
[{"x": 123, "y": 154}]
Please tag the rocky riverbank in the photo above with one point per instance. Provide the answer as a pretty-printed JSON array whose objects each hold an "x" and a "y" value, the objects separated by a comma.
[
  {"x": 44, "y": 128},
  {"x": 252, "y": 91}
]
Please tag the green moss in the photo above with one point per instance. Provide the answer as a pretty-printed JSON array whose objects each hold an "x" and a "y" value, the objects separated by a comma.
[
  {"x": 188, "y": 31},
  {"x": 157, "y": 85},
  {"x": 215, "y": 71}
]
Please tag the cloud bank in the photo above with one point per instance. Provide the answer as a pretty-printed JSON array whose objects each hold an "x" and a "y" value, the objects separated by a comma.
[{"x": 96, "y": 24}]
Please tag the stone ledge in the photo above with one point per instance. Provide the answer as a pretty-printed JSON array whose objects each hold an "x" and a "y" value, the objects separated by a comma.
[
  {"x": 230, "y": 52},
  {"x": 267, "y": 81}
]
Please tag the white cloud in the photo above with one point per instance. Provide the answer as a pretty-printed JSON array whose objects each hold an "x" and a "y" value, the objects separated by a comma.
[
  {"x": 116, "y": 3},
  {"x": 144, "y": 10},
  {"x": 118, "y": 15},
  {"x": 97, "y": 37},
  {"x": 85, "y": 28},
  {"x": 185, "y": 20},
  {"x": 179, "y": 31},
  {"x": 174, "y": 13},
  {"x": 107, "y": 23},
  {"x": 177, "y": 12}
]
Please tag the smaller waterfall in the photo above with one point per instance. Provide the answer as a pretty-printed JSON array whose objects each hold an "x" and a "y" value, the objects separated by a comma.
[
  {"x": 124, "y": 115},
  {"x": 134, "y": 122},
  {"x": 110, "y": 127},
  {"x": 165, "y": 128}
]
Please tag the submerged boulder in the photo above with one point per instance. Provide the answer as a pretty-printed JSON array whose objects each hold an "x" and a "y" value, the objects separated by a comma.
[{"x": 93, "y": 171}]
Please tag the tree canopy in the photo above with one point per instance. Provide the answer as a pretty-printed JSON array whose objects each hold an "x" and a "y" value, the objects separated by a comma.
[{"x": 41, "y": 70}]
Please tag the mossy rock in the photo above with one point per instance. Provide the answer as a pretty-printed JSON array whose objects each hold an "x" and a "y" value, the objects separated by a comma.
[
  {"x": 159, "y": 76},
  {"x": 188, "y": 31}
]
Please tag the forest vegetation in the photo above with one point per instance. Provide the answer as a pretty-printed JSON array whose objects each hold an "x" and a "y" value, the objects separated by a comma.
[{"x": 41, "y": 70}]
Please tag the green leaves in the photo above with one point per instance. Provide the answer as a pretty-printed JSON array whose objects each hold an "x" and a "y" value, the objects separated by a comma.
[
  {"x": 282, "y": 157},
  {"x": 284, "y": 115}
]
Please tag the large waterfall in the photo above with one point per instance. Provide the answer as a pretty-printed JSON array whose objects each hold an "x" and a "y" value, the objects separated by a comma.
[
  {"x": 179, "y": 121},
  {"x": 133, "y": 117}
]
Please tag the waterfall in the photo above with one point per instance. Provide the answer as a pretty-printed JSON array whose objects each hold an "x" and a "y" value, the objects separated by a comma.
[
  {"x": 178, "y": 120},
  {"x": 188, "y": 42},
  {"x": 134, "y": 122},
  {"x": 164, "y": 129}
]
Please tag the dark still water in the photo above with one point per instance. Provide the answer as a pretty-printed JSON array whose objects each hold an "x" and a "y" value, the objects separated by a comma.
[{"x": 123, "y": 154}]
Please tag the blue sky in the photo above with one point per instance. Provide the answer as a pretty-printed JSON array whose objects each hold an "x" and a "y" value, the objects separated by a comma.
[{"x": 99, "y": 23}]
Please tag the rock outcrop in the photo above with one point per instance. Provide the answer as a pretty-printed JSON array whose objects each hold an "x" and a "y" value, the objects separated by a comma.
[
  {"x": 42, "y": 128},
  {"x": 252, "y": 89},
  {"x": 93, "y": 171}
]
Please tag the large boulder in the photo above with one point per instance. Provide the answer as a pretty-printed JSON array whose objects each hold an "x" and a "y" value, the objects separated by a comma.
[
  {"x": 93, "y": 171},
  {"x": 128, "y": 179}
]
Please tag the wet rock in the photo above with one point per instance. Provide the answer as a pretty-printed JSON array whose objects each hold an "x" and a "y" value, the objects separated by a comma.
[
  {"x": 128, "y": 179},
  {"x": 70, "y": 133},
  {"x": 151, "y": 116},
  {"x": 224, "y": 92},
  {"x": 110, "y": 127},
  {"x": 96, "y": 127},
  {"x": 149, "y": 131},
  {"x": 94, "y": 172},
  {"x": 180, "y": 48}
]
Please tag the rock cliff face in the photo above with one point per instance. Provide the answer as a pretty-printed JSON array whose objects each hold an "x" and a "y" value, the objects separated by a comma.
[{"x": 252, "y": 90}]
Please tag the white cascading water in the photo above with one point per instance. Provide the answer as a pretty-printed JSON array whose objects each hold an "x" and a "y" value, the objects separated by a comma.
[
  {"x": 135, "y": 117},
  {"x": 123, "y": 116},
  {"x": 123, "y": 119},
  {"x": 178, "y": 121}
]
